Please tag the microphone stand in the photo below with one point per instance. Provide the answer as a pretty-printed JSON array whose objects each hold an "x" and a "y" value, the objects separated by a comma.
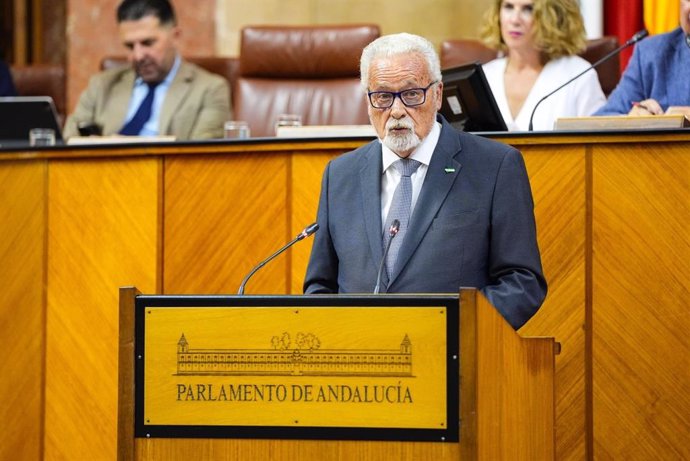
[
  {"x": 309, "y": 230},
  {"x": 392, "y": 232},
  {"x": 635, "y": 38}
]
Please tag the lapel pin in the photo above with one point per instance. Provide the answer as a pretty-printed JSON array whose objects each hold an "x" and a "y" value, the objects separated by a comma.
[{"x": 450, "y": 170}]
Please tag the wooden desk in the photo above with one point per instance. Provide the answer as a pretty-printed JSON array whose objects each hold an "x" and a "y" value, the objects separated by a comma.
[{"x": 613, "y": 216}]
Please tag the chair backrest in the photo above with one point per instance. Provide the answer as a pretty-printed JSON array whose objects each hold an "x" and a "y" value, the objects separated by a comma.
[
  {"x": 461, "y": 51},
  {"x": 312, "y": 71},
  {"x": 609, "y": 71},
  {"x": 42, "y": 80}
]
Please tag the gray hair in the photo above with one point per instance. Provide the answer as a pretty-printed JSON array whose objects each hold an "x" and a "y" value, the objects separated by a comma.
[{"x": 395, "y": 44}]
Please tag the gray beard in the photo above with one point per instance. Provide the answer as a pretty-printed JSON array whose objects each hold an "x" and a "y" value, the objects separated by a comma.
[{"x": 405, "y": 143}]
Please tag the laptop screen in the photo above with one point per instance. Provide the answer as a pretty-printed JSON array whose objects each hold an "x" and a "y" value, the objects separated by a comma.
[{"x": 18, "y": 115}]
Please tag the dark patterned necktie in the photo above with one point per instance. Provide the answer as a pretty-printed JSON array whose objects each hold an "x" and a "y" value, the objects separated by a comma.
[
  {"x": 400, "y": 210},
  {"x": 142, "y": 115}
]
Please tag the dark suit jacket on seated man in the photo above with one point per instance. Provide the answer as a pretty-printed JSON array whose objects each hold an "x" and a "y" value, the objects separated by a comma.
[
  {"x": 187, "y": 101},
  {"x": 472, "y": 220}
]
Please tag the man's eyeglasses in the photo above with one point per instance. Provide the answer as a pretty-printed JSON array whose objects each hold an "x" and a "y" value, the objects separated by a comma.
[{"x": 411, "y": 97}]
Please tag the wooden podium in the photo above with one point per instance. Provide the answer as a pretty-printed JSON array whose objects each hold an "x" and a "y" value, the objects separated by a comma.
[{"x": 504, "y": 385}]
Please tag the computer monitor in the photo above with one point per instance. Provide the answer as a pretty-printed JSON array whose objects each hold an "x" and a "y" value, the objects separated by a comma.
[
  {"x": 468, "y": 103},
  {"x": 19, "y": 114}
]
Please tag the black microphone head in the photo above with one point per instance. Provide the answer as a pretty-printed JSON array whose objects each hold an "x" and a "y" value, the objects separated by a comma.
[
  {"x": 309, "y": 230},
  {"x": 395, "y": 227},
  {"x": 637, "y": 37}
]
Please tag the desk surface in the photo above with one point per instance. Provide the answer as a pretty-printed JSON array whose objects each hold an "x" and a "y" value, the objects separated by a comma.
[{"x": 15, "y": 152}]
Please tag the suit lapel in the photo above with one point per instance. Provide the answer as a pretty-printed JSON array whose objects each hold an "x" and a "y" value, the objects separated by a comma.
[
  {"x": 370, "y": 165},
  {"x": 176, "y": 94},
  {"x": 121, "y": 93},
  {"x": 442, "y": 172}
]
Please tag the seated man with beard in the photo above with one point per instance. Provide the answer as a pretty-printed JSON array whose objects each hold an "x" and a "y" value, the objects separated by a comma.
[
  {"x": 160, "y": 93},
  {"x": 461, "y": 204}
]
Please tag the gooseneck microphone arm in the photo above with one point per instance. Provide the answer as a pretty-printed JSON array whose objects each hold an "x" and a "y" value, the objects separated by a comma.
[
  {"x": 309, "y": 230},
  {"x": 392, "y": 232},
  {"x": 634, "y": 39}
]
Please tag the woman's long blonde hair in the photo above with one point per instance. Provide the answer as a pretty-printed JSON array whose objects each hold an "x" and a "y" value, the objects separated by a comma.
[{"x": 558, "y": 28}]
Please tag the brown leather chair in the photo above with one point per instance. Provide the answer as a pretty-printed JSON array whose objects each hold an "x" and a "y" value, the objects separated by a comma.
[
  {"x": 312, "y": 71},
  {"x": 609, "y": 71},
  {"x": 461, "y": 51},
  {"x": 42, "y": 80}
]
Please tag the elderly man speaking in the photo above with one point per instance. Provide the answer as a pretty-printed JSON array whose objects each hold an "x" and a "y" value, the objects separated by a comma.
[{"x": 457, "y": 207}]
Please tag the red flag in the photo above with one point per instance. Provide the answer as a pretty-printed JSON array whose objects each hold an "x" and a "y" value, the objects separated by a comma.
[{"x": 623, "y": 18}]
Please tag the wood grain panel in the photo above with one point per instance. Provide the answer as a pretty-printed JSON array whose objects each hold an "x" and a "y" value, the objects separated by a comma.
[
  {"x": 641, "y": 346},
  {"x": 223, "y": 215},
  {"x": 307, "y": 171},
  {"x": 22, "y": 311},
  {"x": 103, "y": 234},
  {"x": 557, "y": 177},
  {"x": 288, "y": 450},
  {"x": 640, "y": 213}
]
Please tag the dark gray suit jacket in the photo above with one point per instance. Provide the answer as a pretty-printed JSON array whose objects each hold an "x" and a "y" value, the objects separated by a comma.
[{"x": 473, "y": 226}]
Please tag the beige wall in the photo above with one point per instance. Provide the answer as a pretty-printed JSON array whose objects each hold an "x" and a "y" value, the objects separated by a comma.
[
  {"x": 211, "y": 27},
  {"x": 436, "y": 20}
]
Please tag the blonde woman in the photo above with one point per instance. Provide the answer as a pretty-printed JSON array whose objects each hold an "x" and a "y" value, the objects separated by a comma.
[{"x": 539, "y": 41}]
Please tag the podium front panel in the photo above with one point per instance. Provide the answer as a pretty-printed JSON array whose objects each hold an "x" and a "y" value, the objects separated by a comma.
[{"x": 305, "y": 367}]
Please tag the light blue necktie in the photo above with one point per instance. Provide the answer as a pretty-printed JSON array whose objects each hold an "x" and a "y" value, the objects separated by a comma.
[{"x": 400, "y": 210}]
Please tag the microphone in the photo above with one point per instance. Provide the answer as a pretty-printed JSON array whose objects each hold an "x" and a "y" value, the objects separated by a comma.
[
  {"x": 634, "y": 39},
  {"x": 309, "y": 230},
  {"x": 392, "y": 232}
]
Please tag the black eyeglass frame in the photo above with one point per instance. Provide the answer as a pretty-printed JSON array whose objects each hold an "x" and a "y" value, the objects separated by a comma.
[{"x": 399, "y": 94}]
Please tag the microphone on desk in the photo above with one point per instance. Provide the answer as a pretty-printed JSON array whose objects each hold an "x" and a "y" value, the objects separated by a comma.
[
  {"x": 392, "y": 232},
  {"x": 634, "y": 39},
  {"x": 309, "y": 230}
]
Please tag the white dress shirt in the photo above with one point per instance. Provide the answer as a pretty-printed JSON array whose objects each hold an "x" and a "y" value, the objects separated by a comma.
[{"x": 391, "y": 176}]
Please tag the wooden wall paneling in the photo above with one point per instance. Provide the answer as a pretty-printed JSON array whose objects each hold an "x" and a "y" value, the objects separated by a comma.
[
  {"x": 103, "y": 221},
  {"x": 514, "y": 407},
  {"x": 22, "y": 308},
  {"x": 639, "y": 244},
  {"x": 223, "y": 215},
  {"x": 307, "y": 171},
  {"x": 288, "y": 450},
  {"x": 557, "y": 176},
  {"x": 641, "y": 262},
  {"x": 20, "y": 35}
]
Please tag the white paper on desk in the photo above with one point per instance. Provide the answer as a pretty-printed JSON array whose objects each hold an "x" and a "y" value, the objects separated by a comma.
[
  {"x": 83, "y": 140},
  {"x": 326, "y": 131},
  {"x": 621, "y": 122}
]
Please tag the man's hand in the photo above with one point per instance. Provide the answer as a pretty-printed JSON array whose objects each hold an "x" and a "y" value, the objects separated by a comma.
[{"x": 646, "y": 107}]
